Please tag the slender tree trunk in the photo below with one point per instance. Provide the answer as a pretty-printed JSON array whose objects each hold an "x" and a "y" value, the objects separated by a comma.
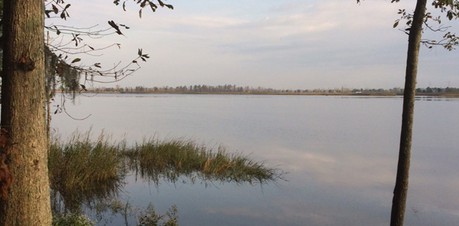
[
  {"x": 401, "y": 184},
  {"x": 23, "y": 115}
]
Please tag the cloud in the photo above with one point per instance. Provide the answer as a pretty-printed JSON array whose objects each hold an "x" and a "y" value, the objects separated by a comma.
[{"x": 312, "y": 44}]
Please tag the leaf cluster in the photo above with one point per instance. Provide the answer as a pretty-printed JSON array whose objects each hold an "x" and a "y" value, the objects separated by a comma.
[
  {"x": 144, "y": 3},
  {"x": 117, "y": 26},
  {"x": 141, "y": 55},
  {"x": 449, "y": 9},
  {"x": 57, "y": 8}
]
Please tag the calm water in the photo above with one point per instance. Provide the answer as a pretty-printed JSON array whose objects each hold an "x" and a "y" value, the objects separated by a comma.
[{"x": 340, "y": 154}]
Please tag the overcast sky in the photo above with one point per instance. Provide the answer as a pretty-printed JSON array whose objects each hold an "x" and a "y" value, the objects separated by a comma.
[{"x": 294, "y": 44}]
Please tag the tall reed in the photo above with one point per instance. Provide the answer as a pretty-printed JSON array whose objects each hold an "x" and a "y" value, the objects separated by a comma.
[{"x": 82, "y": 169}]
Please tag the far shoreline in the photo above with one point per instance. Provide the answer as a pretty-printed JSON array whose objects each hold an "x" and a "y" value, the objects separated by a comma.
[
  {"x": 431, "y": 95},
  {"x": 448, "y": 92}
]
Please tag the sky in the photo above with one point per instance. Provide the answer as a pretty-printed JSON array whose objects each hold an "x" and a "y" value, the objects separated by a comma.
[{"x": 284, "y": 44}]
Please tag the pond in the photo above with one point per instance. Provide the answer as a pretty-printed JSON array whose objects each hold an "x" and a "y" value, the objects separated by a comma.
[{"x": 339, "y": 152}]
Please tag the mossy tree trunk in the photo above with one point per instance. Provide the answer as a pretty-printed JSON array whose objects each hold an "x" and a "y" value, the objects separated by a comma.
[
  {"x": 23, "y": 114},
  {"x": 401, "y": 184}
]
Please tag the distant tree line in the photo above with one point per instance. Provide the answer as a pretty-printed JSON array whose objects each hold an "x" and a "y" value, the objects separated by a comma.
[
  {"x": 435, "y": 90},
  {"x": 233, "y": 89}
]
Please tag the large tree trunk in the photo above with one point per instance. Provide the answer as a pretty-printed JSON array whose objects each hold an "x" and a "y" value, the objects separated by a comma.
[
  {"x": 23, "y": 115},
  {"x": 401, "y": 184}
]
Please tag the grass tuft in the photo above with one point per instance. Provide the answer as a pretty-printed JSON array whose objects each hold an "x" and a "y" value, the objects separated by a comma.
[
  {"x": 172, "y": 159},
  {"x": 82, "y": 169}
]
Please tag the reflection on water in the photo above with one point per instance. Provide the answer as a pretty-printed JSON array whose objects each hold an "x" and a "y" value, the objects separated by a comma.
[
  {"x": 340, "y": 152},
  {"x": 171, "y": 160}
]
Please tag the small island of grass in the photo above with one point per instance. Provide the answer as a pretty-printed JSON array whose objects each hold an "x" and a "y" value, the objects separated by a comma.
[{"x": 82, "y": 170}]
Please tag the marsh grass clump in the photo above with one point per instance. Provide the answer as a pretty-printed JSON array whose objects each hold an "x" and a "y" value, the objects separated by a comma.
[
  {"x": 172, "y": 159},
  {"x": 237, "y": 168},
  {"x": 84, "y": 171},
  {"x": 150, "y": 217},
  {"x": 73, "y": 219},
  {"x": 81, "y": 169}
]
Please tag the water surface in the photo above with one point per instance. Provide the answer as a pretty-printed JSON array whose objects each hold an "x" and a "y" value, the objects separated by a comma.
[{"x": 340, "y": 154}]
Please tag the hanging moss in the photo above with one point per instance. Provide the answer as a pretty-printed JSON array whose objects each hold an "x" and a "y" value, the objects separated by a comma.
[{"x": 60, "y": 75}]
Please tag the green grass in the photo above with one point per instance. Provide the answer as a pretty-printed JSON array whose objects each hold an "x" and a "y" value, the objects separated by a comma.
[
  {"x": 82, "y": 169},
  {"x": 72, "y": 219},
  {"x": 175, "y": 158}
]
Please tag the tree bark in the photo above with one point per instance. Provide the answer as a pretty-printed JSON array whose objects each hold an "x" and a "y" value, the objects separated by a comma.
[
  {"x": 23, "y": 115},
  {"x": 403, "y": 167}
]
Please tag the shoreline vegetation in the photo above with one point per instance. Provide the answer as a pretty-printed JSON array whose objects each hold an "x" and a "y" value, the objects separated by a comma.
[
  {"x": 87, "y": 173},
  {"x": 239, "y": 90}
]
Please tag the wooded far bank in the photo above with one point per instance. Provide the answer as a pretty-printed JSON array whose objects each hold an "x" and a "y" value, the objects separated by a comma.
[{"x": 233, "y": 89}]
